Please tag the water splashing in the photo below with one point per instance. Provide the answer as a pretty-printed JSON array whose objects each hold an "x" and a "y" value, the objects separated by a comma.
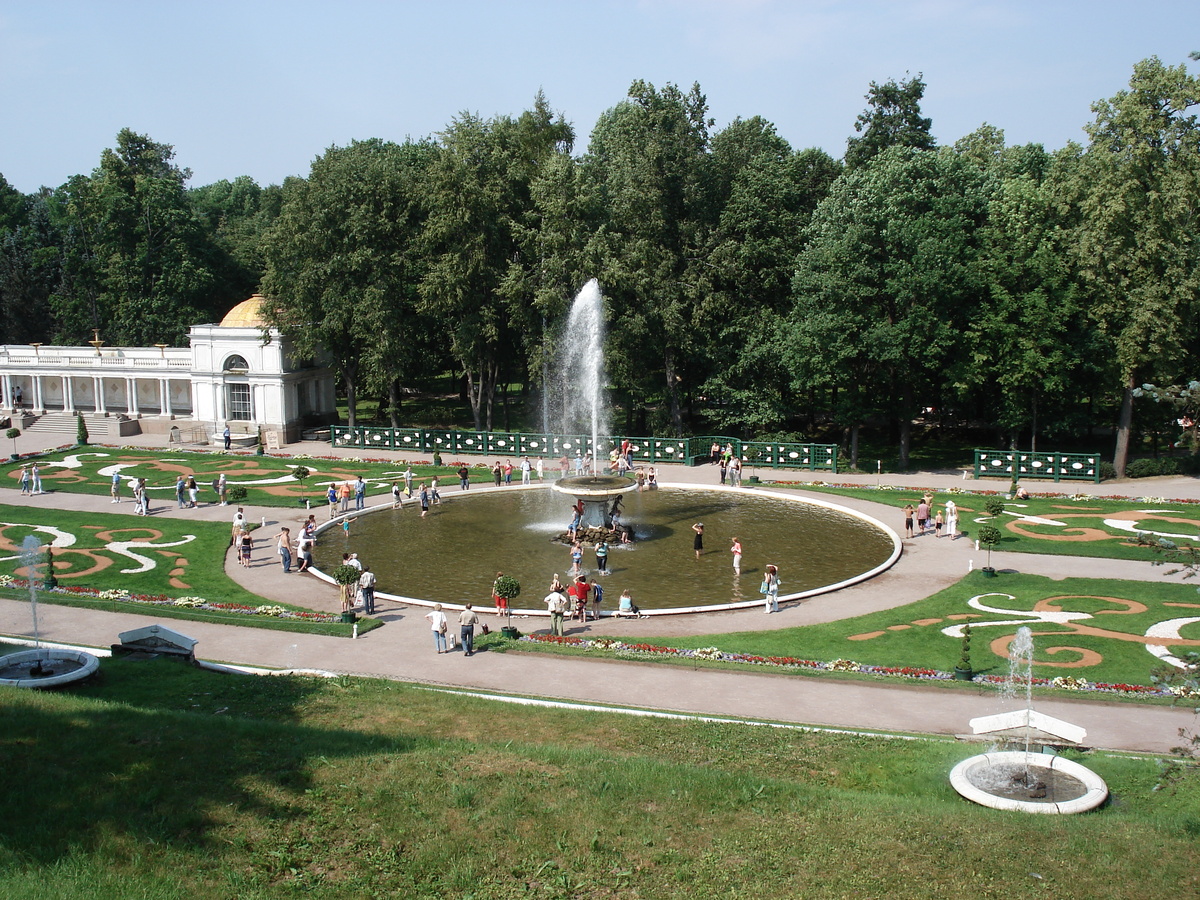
[
  {"x": 31, "y": 551},
  {"x": 581, "y": 368}
]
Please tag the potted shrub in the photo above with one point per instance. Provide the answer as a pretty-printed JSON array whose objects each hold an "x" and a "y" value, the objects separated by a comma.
[
  {"x": 509, "y": 588},
  {"x": 12, "y": 434},
  {"x": 346, "y": 577},
  {"x": 963, "y": 671},
  {"x": 989, "y": 537},
  {"x": 81, "y": 432}
]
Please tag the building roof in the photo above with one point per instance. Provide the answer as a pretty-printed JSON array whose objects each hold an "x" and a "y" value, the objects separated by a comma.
[{"x": 247, "y": 314}]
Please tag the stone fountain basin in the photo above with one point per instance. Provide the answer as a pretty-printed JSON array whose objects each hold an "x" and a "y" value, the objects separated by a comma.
[
  {"x": 68, "y": 666},
  {"x": 965, "y": 777}
]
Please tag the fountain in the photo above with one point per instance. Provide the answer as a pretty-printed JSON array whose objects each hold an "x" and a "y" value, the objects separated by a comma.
[
  {"x": 1027, "y": 780},
  {"x": 819, "y": 546},
  {"x": 42, "y": 667}
]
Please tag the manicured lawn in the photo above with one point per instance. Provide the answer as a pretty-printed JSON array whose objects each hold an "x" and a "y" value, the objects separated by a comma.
[
  {"x": 268, "y": 480},
  {"x": 165, "y": 558},
  {"x": 161, "y": 781}
]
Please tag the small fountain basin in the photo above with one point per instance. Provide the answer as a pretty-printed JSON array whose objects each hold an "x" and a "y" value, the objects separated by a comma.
[
  {"x": 989, "y": 778},
  {"x": 63, "y": 666}
]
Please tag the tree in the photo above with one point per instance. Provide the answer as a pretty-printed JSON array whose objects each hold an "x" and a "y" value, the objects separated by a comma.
[
  {"x": 647, "y": 164},
  {"x": 137, "y": 261},
  {"x": 892, "y": 119},
  {"x": 1138, "y": 257},
  {"x": 884, "y": 284},
  {"x": 343, "y": 261}
]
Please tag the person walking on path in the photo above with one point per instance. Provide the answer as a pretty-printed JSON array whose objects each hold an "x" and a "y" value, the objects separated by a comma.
[
  {"x": 464, "y": 477},
  {"x": 908, "y": 519},
  {"x": 698, "y": 540},
  {"x": 952, "y": 519},
  {"x": 26, "y": 481},
  {"x": 193, "y": 490},
  {"x": 360, "y": 494},
  {"x": 922, "y": 515},
  {"x": 244, "y": 543},
  {"x": 556, "y": 603},
  {"x": 435, "y": 496},
  {"x": 771, "y": 589},
  {"x": 115, "y": 489},
  {"x": 735, "y": 547},
  {"x": 223, "y": 489},
  {"x": 438, "y": 625},
  {"x": 397, "y": 503},
  {"x": 283, "y": 546},
  {"x": 36, "y": 474},
  {"x": 467, "y": 620},
  {"x": 366, "y": 590}
]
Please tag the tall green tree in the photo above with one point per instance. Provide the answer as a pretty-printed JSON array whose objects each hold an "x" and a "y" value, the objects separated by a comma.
[
  {"x": 140, "y": 266},
  {"x": 884, "y": 283},
  {"x": 344, "y": 262},
  {"x": 1138, "y": 256},
  {"x": 647, "y": 164},
  {"x": 479, "y": 197},
  {"x": 892, "y": 119}
]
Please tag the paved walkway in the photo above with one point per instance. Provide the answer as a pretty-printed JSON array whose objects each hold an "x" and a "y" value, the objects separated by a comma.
[{"x": 403, "y": 649}]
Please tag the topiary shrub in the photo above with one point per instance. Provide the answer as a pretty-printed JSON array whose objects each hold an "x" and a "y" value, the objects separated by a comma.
[
  {"x": 507, "y": 587},
  {"x": 989, "y": 537},
  {"x": 994, "y": 506},
  {"x": 237, "y": 493},
  {"x": 81, "y": 432}
]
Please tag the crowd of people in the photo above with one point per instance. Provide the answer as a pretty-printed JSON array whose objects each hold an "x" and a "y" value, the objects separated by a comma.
[{"x": 925, "y": 518}]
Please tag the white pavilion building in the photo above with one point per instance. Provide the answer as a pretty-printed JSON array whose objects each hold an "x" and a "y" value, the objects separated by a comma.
[{"x": 238, "y": 373}]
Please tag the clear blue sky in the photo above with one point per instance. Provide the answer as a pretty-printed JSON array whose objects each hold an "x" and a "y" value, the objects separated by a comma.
[{"x": 262, "y": 88}]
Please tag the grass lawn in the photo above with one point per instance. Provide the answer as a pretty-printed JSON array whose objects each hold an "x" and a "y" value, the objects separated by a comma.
[
  {"x": 157, "y": 557},
  {"x": 1104, "y": 528},
  {"x": 268, "y": 480},
  {"x": 161, "y": 781}
]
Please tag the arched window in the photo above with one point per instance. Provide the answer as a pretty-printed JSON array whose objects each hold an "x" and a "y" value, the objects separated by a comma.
[{"x": 236, "y": 363}]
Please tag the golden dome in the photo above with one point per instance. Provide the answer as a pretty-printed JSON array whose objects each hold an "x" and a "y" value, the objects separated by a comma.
[{"x": 247, "y": 314}]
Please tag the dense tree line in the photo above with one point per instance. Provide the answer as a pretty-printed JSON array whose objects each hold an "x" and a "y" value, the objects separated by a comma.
[{"x": 751, "y": 288}]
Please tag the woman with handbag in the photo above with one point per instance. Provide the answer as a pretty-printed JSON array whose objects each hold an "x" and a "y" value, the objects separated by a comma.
[
  {"x": 437, "y": 622},
  {"x": 770, "y": 587}
]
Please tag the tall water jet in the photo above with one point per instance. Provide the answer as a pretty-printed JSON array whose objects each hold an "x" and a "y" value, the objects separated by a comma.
[{"x": 581, "y": 369}]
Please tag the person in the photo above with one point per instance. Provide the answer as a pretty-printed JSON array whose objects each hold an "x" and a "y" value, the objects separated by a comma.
[
  {"x": 508, "y": 467},
  {"x": 26, "y": 481},
  {"x": 331, "y": 496},
  {"x": 735, "y": 547},
  {"x": 573, "y": 528},
  {"x": 952, "y": 519},
  {"x": 579, "y": 590},
  {"x": 597, "y": 599},
  {"x": 937, "y": 525},
  {"x": 541, "y": 469},
  {"x": 556, "y": 584},
  {"x": 344, "y": 492},
  {"x": 556, "y": 603},
  {"x": 140, "y": 498},
  {"x": 501, "y": 602},
  {"x": 922, "y": 515},
  {"x": 714, "y": 453},
  {"x": 602, "y": 557},
  {"x": 626, "y": 606},
  {"x": 408, "y": 479},
  {"x": 908, "y": 519},
  {"x": 245, "y": 546},
  {"x": 304, "y": 553},
  {"x": 309, "y": 531},
  {"x": 464, "y": 477},
  {"x": 284, "y": 547},
  {"x": 366, "y": 590},
  {"x": 526, "y": 470},
  {"x": 346, "y": 525},
  {"x": 1022, "y": 494},
  {"x": 180, "y": 491},
  {"x": 193, "y": 490},
  {"x": 437, "y": 624},
  {"x": 698, "y": 540},
  {"x": 17, "y": 396},
  {"x": 641, "y": 480},
  {"x": 396, "y": 501},
  {"x": 724, "y": 469},
  {"x": 223, "y": 489},
  {"x": 216, "y": 486},
  {"x": 564, "y": 466},
  {"x": 239, "y": 523},
  {"x": 770, "y": 587},
  {"x": 576, "y": 558},
  {"x": 227, "y": 436},
  {"x": 435, "y": 496},
  {"x": 467, "y": 620},
  {"x": 423, "y": 496},
  {"x": 735, "y": 471},
  {"x": 360, "y": 493},
  {"x": 652, "y": 479},
  {"x": 115, "y": 489},
  {"x": 497, "y": 473},
  {"x": 578, "y": 463}
]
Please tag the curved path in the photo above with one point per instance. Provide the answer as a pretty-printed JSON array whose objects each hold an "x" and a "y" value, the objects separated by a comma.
[{"x": 403, "y": 650}]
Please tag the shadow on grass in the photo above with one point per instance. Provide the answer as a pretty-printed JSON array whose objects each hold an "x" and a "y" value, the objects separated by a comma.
[{"x": 171, "y": 762}]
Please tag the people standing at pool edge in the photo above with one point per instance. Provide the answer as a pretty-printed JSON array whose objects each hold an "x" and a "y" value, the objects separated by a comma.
[
  {"x": 467, "y": 620},
  {"x": 770, "y": 587},
  {"x": 437, "y": 624}
]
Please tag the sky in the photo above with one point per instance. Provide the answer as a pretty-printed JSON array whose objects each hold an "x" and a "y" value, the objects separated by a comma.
[{"x": 263, "y": 88}]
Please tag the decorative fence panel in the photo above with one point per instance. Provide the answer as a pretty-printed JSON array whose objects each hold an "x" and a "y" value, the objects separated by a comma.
[{"x": 1056, "y": 466}]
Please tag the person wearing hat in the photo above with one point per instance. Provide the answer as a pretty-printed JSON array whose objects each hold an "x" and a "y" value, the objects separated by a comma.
[{"x": 698, "y": 541}]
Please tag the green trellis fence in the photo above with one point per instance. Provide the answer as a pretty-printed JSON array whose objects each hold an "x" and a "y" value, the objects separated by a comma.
[{"x": 1056, "y": 466}]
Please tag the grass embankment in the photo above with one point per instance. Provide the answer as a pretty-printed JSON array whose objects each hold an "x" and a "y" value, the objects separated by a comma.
[
  {"x": 162, "y": 781},
  {"x": 152, "y": 557}
]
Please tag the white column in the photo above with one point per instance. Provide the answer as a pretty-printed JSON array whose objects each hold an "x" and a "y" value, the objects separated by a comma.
[
  {"x": 130, "y": 397},
  {"x": 166, "y": 392},
  {"x": 38, "y": 406},
  {"x": 6, "y": 386},
  {"x": 100, "y": 408},
  {"x": 68, "y": 395}
]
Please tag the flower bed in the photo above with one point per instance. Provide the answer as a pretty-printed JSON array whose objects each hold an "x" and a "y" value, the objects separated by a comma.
[
  {"x": 633, "y": 651},
  {"x": 277, "y": 612}
]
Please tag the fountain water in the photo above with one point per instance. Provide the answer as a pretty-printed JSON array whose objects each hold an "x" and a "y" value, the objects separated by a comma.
[
  {"x": 1025, "y": 780},
  {"x": 51, "y": 667}
]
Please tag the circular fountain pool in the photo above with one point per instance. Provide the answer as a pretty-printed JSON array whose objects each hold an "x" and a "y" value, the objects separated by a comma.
[
  {"x": 46, "y": 667},
  {"x": 1028, "y": 782},
  {"x": 452, "y": 556}
]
